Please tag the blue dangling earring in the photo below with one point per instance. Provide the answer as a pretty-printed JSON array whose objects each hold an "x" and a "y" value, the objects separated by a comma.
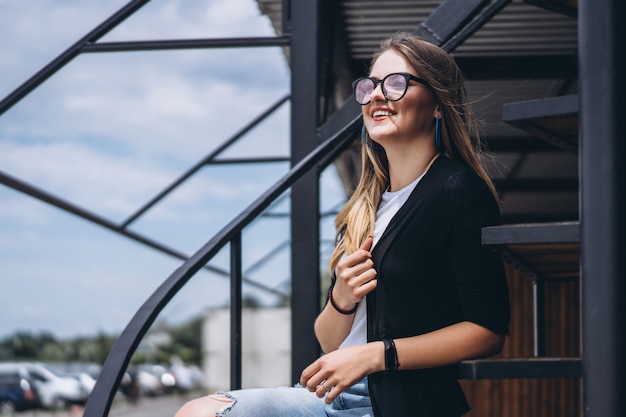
[
  {"x": 370, "y": 145},
  {"x": 437, "y": 133}
]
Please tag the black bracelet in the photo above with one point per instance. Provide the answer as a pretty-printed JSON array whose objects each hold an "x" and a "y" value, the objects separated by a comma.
[
  {"x": 391, "y": 356},
  {"x": 336, "y": 307}
]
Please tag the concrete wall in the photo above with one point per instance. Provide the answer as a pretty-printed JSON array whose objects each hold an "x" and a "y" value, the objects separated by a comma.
[{"x": 266, "y": 348}]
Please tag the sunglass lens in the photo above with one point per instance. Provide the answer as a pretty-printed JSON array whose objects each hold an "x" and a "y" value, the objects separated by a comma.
[
  {"x": 363, "y": 90},
  {"x": 395, "y": 86}
]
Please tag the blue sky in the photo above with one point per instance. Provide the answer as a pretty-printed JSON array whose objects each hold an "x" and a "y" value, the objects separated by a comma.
[{"x": 110, "y": 131}]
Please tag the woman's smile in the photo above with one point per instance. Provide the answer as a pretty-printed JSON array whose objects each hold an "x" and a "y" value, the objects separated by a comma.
[{"x": 380, "y": 113}]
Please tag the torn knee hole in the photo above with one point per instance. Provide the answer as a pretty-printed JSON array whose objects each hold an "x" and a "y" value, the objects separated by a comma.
[{"x": 222, "y": 398}]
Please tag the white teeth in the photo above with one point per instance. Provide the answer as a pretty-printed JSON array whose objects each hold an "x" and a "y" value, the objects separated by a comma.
[{"x": 379, "y": 113}]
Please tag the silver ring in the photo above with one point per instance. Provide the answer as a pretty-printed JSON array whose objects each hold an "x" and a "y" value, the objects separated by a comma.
[{"x": 323, "y": 384}]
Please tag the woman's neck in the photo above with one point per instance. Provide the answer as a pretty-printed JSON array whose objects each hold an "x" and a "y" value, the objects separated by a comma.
[{"x": 406, "y": 167}]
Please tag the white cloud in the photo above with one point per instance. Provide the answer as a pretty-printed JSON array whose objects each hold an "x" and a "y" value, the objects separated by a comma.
[
  {"x": 35, "y": 32},
  {"x": 193, "y": 19},
  {"x": 107, "y": 133},
  {"x": 82, "y": 175},
  {"x": 143, "y": 103}
]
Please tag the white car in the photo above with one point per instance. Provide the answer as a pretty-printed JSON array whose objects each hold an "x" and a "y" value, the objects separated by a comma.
[{"x": 55, "y": 392}]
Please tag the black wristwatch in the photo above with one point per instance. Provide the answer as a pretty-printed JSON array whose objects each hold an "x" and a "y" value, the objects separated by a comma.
[{"x": 391, "y": 356}]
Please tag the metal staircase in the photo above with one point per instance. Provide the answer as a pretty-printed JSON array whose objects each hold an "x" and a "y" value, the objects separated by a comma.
[{"x": 588, "y": 251}]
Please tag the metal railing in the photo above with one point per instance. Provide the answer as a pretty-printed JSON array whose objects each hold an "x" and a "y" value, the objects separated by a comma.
[{"x": 113, "y": 369}]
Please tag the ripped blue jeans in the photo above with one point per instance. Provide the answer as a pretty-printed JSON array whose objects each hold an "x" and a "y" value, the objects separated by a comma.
[{"x": 297, "y": 402}]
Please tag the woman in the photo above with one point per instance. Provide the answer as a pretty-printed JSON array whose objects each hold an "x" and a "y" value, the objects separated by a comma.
[{"x": 414, "y": 291}]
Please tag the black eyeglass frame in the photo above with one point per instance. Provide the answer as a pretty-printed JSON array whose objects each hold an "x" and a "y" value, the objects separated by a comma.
[{"x": 375, "y": 81}]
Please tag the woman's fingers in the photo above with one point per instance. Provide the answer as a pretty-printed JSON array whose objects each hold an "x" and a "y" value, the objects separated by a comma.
[
  {"x": 367, "y": 244},
  {"x": 336, "y": 371},
  {"x": 355, "y": 275},
  {"x": 318, "y": 380},
  {"x": 355, "y": 259},
  {"x": 366, "y": 288},
  {"x": 359, "y": 256},
  {"x": 310, "y": 378}
]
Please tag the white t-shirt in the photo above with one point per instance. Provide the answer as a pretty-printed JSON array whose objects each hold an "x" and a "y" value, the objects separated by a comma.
[{"x": 389, "y": 205}]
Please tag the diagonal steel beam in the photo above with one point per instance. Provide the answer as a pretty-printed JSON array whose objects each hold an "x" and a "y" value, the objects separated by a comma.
[
  {"x": 69, "y": 54},
  {"x": 447, "y": 19},
  {"x": 57, "y": 202},
  {"x": 207, "y": 159},
  {"x": 476, "y": 23}
]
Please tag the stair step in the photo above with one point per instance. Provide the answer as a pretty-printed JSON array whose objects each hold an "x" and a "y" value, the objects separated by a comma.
[
  {"x": 531, "y": 233},
  {"x": 520, "y": 368},
  {"x": 554, "y": 119},
  {"x": 566, "y": 7},
  {"x": 542, "y": 250}
]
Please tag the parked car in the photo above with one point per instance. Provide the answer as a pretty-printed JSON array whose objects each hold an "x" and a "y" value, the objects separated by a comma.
[
  {"x": 54, "y": 391},
  {"x": 155, "y": 379},
  {"x": 16, "y": 393},
  {"x": 85, "y": 373}
]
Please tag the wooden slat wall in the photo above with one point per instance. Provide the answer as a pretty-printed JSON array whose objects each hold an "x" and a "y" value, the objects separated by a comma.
[{"x": 534, "y": 397}]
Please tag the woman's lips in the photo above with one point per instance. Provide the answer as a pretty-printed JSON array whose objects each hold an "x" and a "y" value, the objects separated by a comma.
[{"x": 380, "y": 113}]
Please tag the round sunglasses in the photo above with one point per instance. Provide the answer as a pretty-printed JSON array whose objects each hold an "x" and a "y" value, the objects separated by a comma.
[{"x": 394, "y": 86}]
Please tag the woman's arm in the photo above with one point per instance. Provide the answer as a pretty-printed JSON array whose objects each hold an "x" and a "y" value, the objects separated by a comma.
[
  {"x": 332, "y": 328},
  {"x": 452, "y": 344},
  {"x": 342, "y": 368},
  {"x": 355, "y": 277}
]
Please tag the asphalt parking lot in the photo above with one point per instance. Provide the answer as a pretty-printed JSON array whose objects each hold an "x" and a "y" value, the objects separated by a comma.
[{"x": 163, "y": 406}]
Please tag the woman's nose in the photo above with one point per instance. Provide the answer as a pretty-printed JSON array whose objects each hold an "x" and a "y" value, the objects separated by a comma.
[{"x": 377, "y": 93}]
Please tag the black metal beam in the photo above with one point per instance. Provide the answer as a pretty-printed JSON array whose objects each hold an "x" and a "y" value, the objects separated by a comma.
[
  {"x": 66, "y": 206},
  {"x": 447, "y": 19},
  {"x": 538, "y": 216},
  {"x": 520, "y": 368},
  {"x": 167, "y": 44},
  {"x": 286, "y": 17},
  {"x": 235, "y": 312},
  {"x": 555, "y": 6},
  {"x": 553, "y": 119},
  {"x": 539, "y": 317},
  {"x": 518, "y": 67},
  {"x": 602, "y": 36},
  {"x": 520, "y": 266},
  {"x": 265, "y": 160},
  {"x": 479, "y": 21},
  {"x": 540, "y": 108},
  {"x": 305, "y": 102},
  {"x": 263, "y": 260},
  {"x": 69, "y": 54},
  {"x": 207, "y": 159},
  {"x": 537, "y": 185},
  {"x": 524, "y": 144},
  {"x": 565, "y": 232}
]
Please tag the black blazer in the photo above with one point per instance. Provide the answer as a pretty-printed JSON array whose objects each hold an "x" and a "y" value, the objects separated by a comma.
[{"x": 433, "y": 271}]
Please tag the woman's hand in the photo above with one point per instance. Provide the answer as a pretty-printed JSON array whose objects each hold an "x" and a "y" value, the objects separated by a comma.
[
  {"x": 334, "y": 372},
  {"x": 356, "y": 277}
]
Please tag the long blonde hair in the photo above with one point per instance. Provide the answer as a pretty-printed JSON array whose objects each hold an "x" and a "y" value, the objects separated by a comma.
[{"x": 459, "y": 139}]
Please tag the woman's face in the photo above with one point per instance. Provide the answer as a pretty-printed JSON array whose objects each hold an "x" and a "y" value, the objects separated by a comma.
[{"x": 408, "y": 119}]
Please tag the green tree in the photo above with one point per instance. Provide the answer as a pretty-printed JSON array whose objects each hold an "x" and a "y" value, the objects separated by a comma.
[
  {"x": 24, "y": 346},
  {"x": 187, "y": 341}
]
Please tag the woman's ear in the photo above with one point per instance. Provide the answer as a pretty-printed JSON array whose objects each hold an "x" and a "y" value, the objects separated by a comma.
[{"x": 437, "y": 112}]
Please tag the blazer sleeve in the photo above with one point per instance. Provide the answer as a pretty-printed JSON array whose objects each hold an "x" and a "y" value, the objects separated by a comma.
[{"x": 477, "y": 271}]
